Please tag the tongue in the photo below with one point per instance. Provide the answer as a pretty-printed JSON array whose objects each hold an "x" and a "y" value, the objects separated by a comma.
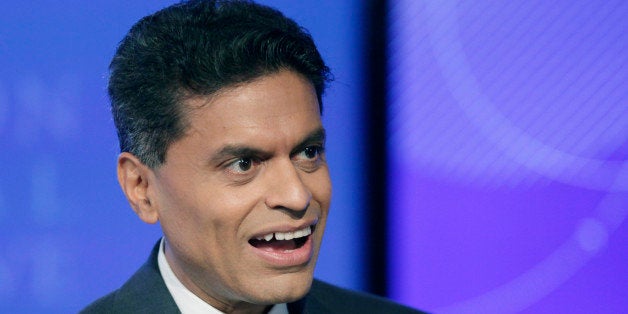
[{"x": 275, "y": 245}]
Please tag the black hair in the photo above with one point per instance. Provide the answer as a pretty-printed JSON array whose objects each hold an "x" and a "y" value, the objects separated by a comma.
[{"x": 197, "y": 48}]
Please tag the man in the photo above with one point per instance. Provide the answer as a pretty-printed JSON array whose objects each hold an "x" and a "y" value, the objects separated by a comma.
[{"x": 217, "y": 107}]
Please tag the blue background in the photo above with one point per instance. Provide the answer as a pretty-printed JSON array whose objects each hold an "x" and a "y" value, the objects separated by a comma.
[{"x": 68, "y": 233}]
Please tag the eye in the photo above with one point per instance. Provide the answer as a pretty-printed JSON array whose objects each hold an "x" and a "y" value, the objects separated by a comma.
[
  {"x": 309, "y": 158},
  {"x": 311, "y": 152},
  {"x": 242, "y": 165}
]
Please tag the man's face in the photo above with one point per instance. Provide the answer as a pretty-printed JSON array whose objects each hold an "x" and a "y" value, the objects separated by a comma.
[{"x": 251, "y": 166}]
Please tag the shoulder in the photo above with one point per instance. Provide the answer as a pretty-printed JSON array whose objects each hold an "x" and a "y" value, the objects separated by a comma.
[
  {"x": 102, "y": 305},
  {"x": 134, "y": 297},
  {"x": 327, "y": 298},
  {"x": 144, "y": 292}
]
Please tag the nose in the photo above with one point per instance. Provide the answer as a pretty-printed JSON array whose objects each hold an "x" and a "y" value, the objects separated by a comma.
[{"x": 286, "y": 189}]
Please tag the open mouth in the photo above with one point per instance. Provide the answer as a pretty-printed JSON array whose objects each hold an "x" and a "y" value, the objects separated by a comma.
[{"x": 283, "y": 241}]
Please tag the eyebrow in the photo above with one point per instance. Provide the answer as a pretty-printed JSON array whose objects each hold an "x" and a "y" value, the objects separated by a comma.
[
  {"x": 229, "y": 151},
  {"x": 316, "y": 136}
]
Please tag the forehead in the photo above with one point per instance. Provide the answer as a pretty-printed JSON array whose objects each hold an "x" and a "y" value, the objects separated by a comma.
[{"x": 275, "y": 104}]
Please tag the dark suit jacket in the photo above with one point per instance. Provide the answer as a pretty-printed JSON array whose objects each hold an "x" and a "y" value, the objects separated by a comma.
[{"x": 146, "y": 292}]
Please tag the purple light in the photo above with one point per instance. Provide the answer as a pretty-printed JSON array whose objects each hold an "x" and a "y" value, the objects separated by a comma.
[{"x": 504, "y": 122}]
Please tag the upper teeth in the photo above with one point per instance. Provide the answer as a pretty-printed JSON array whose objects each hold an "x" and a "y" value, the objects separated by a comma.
[{"x": 287, "y": 235}]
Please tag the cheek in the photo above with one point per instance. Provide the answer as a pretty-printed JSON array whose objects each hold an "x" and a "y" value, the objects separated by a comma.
[
  {"x": 320, "y": 185},
  {"x": 226, "y": 210},
  {"x": 188, "y": 213}
]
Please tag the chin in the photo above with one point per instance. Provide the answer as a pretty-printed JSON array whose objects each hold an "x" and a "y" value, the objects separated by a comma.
[{"x": 284, "y": 289}]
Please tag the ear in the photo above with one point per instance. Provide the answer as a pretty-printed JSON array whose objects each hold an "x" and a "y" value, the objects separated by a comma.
[{"x": 135, "y": 180}]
